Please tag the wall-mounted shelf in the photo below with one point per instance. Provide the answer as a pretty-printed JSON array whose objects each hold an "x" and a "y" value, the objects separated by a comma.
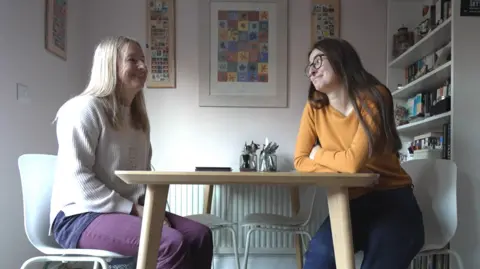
[
  {"x": 430, "y": 124},
  {"x": 440, "y": 36},
  {"x": 431, "y": 80}
]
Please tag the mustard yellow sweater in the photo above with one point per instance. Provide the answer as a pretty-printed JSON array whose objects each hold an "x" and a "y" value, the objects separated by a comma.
[{"x": 344, "y": 148}]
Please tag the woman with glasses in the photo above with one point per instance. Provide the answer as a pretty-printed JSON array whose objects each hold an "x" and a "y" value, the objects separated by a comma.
[{"x": 350, "y": 113}]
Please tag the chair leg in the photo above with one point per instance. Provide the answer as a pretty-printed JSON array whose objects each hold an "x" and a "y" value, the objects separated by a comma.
[
  {"x": 43, "y": 259},
  {"x": 307, "y": 236},
  {"x": 235, "y": 246},
  {"x": 247, "y": 247},
  {"x": 457, "y": 257}
]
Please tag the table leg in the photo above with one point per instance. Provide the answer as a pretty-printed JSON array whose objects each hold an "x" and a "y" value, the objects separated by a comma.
[
  {"x": 339, "y": 210},
  {"x": 152, "y": 222},
  {"x": 207, "y": 199},
  {"x": 295, "y": 202}
]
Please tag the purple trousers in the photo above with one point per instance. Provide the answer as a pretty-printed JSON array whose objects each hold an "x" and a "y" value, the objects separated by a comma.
[{"x": 186, "y": 245}]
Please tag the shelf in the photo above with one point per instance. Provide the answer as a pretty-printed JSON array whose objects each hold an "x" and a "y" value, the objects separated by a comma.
[
  {"x": 429, "y": 124},
  {"x": 428, "y": 44},
  {"x": 434, "y": 78}
]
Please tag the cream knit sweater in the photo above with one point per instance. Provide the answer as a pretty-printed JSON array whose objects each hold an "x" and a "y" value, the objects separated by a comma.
[{"x": 89, "y": 152}]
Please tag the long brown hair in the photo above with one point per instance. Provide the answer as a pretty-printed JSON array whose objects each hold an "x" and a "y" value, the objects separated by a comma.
[{"x": 361, "y": 87}]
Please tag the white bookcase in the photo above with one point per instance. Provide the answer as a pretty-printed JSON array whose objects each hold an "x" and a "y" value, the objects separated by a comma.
[{"x": 408, "y": 13}]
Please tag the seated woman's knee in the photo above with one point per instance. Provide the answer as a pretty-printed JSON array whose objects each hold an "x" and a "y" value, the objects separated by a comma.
[
  {"x": 173, "y": 245},
  {"x": 320, "y": 250},
  {"x": 204, "y": 232}
]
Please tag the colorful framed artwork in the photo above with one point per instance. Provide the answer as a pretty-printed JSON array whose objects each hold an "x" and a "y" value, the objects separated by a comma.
[
  {"x": 160, "y": 51},
  {"x": 56, "y": 27},
  {"x": 325, "y": 20},
  {"x": 243, "y": 53}
]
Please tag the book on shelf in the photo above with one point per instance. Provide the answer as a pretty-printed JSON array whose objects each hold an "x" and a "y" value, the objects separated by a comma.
[{"x": 447, "y": 131}]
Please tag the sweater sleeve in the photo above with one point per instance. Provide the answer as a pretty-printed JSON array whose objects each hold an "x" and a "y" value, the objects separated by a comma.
[
  {"x": 305, "y": 142},
  {"x": 353, "y": 159},
  {"x": 78, "y": 132}
]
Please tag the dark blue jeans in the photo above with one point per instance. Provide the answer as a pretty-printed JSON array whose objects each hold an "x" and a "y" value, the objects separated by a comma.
[{"x": 386, "y": 225}]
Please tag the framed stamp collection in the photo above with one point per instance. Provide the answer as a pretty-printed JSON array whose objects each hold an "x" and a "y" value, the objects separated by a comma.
[
  {"x": 56, "y": 27},
  {"x": 325, "y": 19},
  {"x": 160, "y": 51}
]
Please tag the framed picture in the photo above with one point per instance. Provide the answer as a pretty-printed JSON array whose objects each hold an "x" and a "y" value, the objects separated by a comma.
[
  {"x": 243, "y": 53},
  {"x": 160, "y": 51},
  {"x": 325, "y": 21},
  {"x": 56, "y": 27},
  {"x": 470, "y": 8}
]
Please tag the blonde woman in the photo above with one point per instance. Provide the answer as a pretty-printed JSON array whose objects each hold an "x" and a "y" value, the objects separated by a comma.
[{"x": 105, "y": 129}]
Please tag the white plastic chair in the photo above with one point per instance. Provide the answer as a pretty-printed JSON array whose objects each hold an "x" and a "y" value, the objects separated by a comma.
[
  {"x": 216, "y": 223},
  {"x": 435, "y": 187},
  {"x": 279, "y": 223},
  {"x": 37, "y": 174}
]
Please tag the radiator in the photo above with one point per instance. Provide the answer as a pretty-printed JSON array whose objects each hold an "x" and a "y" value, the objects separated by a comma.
[{"x": 232, "y": 202}]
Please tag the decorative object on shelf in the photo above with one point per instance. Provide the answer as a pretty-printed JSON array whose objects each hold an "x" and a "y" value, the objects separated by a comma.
[
  {"x": 248, "y": 158},
  {"x": 469, "y": 8},
  {"x": 429, "y": 21},
  {"x": 402, "y": 41},
  {"x": 325, "y": 20},
  {"x": 56, "y": 12},
  {"x": 243, "y": 53},
  {"x": 268, "y": 158},
  {"x": 160, "y": 47},
  {"x": 401, "y": 115}
]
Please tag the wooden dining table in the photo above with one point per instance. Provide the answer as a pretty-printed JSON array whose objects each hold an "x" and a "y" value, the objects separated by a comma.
[{"x": 158, "y": 183}]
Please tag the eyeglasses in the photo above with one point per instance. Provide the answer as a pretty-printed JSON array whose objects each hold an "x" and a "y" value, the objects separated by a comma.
[{"x": 316, "y": 64}]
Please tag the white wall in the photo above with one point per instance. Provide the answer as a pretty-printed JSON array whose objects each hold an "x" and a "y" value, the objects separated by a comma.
[
  {"x": 185, "y": 135},
  {"x": 466, "y": 146},
  {"x": 26, "y": 127}
]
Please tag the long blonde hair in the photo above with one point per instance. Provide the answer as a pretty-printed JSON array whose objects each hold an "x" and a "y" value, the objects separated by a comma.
[{"x": 103, "y": 84}]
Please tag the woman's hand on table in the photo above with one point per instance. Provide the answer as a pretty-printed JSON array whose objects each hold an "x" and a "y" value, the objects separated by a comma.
[{"x": 314, "y": 151}]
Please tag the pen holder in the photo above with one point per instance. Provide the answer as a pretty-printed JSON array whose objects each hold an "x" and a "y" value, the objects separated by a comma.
[
  {"x": 248, "y": 162},
  {"x": 268, "y": 163}
]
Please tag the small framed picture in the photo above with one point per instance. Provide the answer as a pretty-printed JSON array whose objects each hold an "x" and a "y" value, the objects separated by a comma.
[
  {"x": 56, "y": 27},
  {"x": 470, "y": 8}
]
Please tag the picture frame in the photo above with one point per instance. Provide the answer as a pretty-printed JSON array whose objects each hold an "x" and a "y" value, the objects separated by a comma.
[
  {"x": 243, "y": 55},
  {"x": 56, "y": 18},
  {"x": 160, "y": 52},
  {"x": 470, "y": 8},
  {"x": 325, "y": 19}
]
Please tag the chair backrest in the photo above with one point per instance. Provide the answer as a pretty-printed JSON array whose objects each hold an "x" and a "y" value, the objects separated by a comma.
[
  {"x": 307, "y": 202},
  {"x": 435, "y": 187},
  {"x": 37, "y": 174}
]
